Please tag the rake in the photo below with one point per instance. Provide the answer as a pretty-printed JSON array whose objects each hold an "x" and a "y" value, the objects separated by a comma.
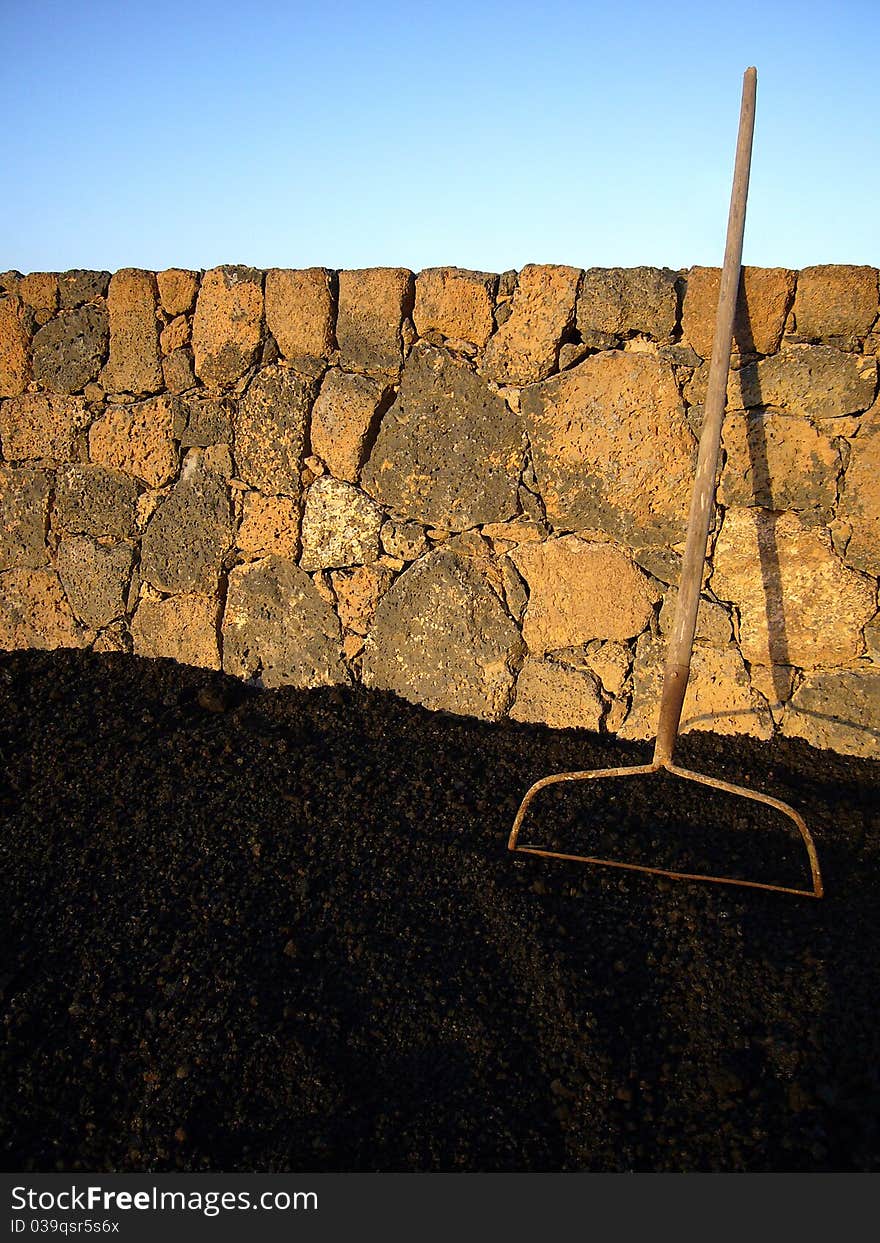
[{"x": 681, "y": 642}]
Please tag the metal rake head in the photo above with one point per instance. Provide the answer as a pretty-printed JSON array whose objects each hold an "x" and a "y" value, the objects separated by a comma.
[{"x": 686, "y": 774}]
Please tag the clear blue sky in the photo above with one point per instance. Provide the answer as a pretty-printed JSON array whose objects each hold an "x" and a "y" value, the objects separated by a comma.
[{"x": 351, "y": 133}]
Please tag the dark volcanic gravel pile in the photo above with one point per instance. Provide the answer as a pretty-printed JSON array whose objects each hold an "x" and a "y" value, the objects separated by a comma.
[{"x": 281, "y": 931}]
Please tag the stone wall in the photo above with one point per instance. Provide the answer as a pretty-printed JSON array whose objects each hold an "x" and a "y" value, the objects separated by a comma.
[{"x": 466, "y": 488}]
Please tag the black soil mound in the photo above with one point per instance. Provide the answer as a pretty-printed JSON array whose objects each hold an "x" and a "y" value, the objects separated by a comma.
[{"x": 281, "y": 931}]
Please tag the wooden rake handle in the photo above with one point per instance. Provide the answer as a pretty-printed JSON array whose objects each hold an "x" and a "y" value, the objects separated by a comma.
[{"x": 681, "y": 643}]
